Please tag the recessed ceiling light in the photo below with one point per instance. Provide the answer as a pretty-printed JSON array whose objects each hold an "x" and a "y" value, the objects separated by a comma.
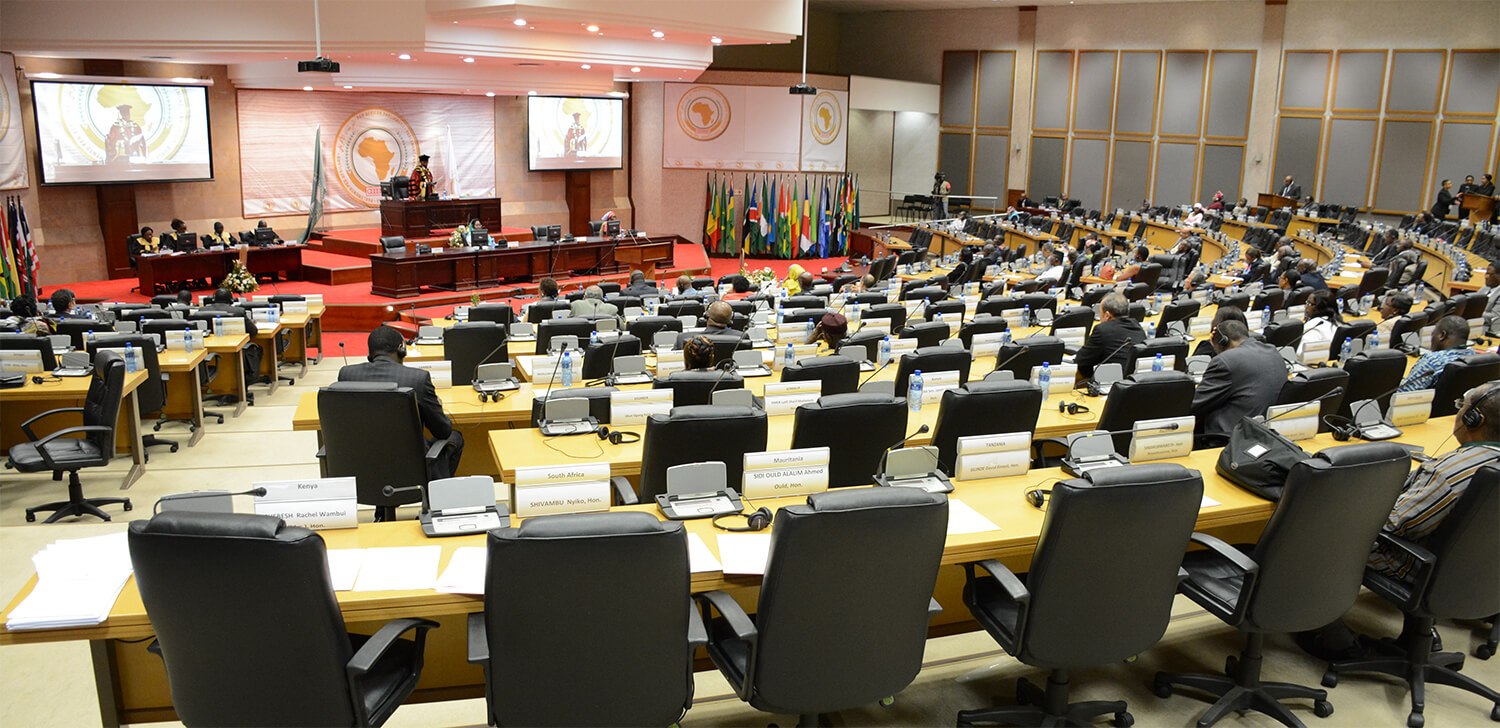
[
  {"x": 658, "y": 34},
  {"x": 405, "y": 56},
  {"x": 468, "y": 59},
  {"x": 348, "y": 86},
  {"x": 592, "y": 29},
  {"x": 635, "y": 69},
  {"x": 616, "y": 94},
  {"x": 530, "y": 93},
  {"x": 48, "y": 74},
  {"x": 489, "y": 93},
  {"x": 184, "y": 79},
  {"x": 306, "y": 88},
  {"x": 519, "y": 21},
  {"x": 716, "y": 40},
  {"x": 585, "y": 66}
]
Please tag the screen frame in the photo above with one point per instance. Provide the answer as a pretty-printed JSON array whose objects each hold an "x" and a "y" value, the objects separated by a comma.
[
  {"x": 624, "y": 141},
  {"x": 41, "y": 169}
]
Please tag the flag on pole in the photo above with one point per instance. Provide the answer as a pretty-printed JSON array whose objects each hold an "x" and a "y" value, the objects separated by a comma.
[
  {"x": 769, "y": 218},
  {"x": 22, "y": 246},
  {"x": 10, "y": 286},
  {"x": 710, "y": 217},
  {"x": 319, "y": 187},
  {"x": 728, "y": 219},
  {"x": 752, "y": 219},
  {"x": 805, "y": 241}
]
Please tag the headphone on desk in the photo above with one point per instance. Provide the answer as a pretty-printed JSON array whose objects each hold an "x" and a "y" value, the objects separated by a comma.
[
  {"x": 1037, "y": 497},
  {"x": 618, "y": 437},
  {"x": 1072, "y": 408},
  {"x": 495, "y": 396},
  {"x": 760, "y": 520}
]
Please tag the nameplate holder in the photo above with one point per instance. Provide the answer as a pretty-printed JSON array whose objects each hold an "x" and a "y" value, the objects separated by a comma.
[
  {"x": 987, "y": 344},
  {"x": 1153, "y": 440},
  {"x": 793, "y": 333},
  {"x": 1062, "y": 378},
  {"x": 1144, "y": 363},
  {"x": 903, "y": 346},
  {"x": 1072, "y": 336},
  {"x": 441, "y": 371},
  {"x": 875, "y": 324},
  {"x": 22, "y": 362},
  {"x": 316, "y": 503},
  {"x": 935, "y": 383},
  {"x": 313, "y": 298},
  {"x": 229, "y": 326},
  {"x": 178, "y": 340},
  {"x": 783, "y": 398},
  {"x": 1410, "y": 408},
  {"x": 1012, "y": 316},
  {"x": 634, "y": 406},
  {"x": 1199, "y": 326},
  {"x": 294, "y": 307},
  {"x": 1297, "y": 312},
  {"x": 550, "y": 490},
  {"x": 1255, "y": 320},
  {"x": 778, "y": 473},
  {"x": 668, "y": 361},
  {"x": 1296, "y": 421},
  {"x": 542, "y": 368},
  {"x": 993, "y": 456}
]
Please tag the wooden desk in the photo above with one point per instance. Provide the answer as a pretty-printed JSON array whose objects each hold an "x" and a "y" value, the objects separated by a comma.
[
  {"x": 132, "y": 683},
  {"x": 184, "y": 389},
  {"x": 1308, "y": 225},
  {"x": 231, "y": 377},
  {"x": 265, "y": 335},
  {"x": 156, "y": 271},
  {"x": 296, "y": 326},
  {"x": 1480, "y": 207},
  {"x": 403, "y": 273},
  {"x": 418, "y": 218},
  {"x": 31, "y": 399}
]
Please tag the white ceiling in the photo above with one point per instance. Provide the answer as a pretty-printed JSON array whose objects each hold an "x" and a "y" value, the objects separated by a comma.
[{"x": 876, "y": 6}]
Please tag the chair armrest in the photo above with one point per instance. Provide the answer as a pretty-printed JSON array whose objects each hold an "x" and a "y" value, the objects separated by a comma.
[
  {"x": 1425, "y": 559},
  {"x": 624, "y": 494},
  {"x": 1007, "y": 580},
  {"x": 41, "y": 445},
  {"x": 1230, "y": 553},
  {"x": 322, "y": 453},
  {"x": 479, "y": 643},
  {"x": 933, "y": 608},
  {"x": 731, "y": 611},
  {"x": 439, "y": 446},
  {"x": 372, "y": 650},
  {"x": 26, "y": 426},
  {"x": 697, "y": 632}
]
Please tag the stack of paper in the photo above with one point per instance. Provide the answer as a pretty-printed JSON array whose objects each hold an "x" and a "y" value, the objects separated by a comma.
[
  {"x": 78, "y": 581},
  {"x": 398, "y": 568},
  {"x": 465, "y": 572}
]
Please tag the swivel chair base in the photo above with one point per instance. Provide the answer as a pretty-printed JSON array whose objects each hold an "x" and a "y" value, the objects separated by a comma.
[
  {"x": 152, "y": 441},
  {"x": 1045, "y": 709},
  {"x": 1240, "y": 688},
  {"x": 76, "y": 504},
  {"x": 1418, "y": 666}
]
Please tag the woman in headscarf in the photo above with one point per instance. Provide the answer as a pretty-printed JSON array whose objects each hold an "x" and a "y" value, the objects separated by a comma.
[{"x": 791, "y": 284}]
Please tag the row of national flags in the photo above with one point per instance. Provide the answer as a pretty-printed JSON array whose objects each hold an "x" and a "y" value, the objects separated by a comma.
[
  {"x": 17, "y": 251},
  {"x": 784, "y": 216}
]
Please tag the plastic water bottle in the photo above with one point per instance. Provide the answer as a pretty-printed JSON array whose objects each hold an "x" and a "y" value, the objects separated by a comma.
[
  {"x": 1026, "y": 315},
  {"x": 1265, "y": 319},
  {"x": 567, "y": 368},
  {"x": 1150, "y": 329},
  {"x": 1045, "y": 380},
  {"x": 885, "y": 350},
  {"x": 1156, "y": 363},
  {"x": 914, "y": 391},
  {"x": 187, "y": 341},
  {"x": 1374, "y": 339},
  {"x": 809, "y": 329},
  {"x": 218, "y": 326},
  {"x": 130, "y": 365},
  {"x": 1345, "y": 349},
  {"x": 593, "y": 337},
  {"x": 1005, "y": 338},
  {"x": 788, "y": 359}
]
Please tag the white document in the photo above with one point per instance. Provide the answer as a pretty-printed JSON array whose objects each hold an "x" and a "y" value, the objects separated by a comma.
[
  {"x": 1209, "y": 503},
  {"x": 465, "y": 572},
  {"x": 744, "y": 553},
  {"x": 700, "y": 558},
  {"x": 343, "y": 567},
  {"x": 399, "y": 568},
  {"x": 78, "y": 581},
  {"x": 962, "y": 518}
]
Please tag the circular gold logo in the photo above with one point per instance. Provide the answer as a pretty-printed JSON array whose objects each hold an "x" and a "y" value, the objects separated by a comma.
[
  {"x": 373, "y": 145},
  {"x": 703, "y": 113},
  {"x": 824, "y": 118},
  {"x": 110, "y": 122}
]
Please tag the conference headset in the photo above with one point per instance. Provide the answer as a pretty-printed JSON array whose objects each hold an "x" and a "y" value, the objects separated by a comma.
[{"x": 760, "y": 520}]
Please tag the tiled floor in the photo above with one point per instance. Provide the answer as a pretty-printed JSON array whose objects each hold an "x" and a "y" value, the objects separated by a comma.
[{"x": 52, "y": 684}]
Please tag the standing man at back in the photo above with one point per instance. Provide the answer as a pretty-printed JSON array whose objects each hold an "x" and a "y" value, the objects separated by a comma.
[
  {"x": 1243, "y": 380},
  {"x": 387, "y": 352}
]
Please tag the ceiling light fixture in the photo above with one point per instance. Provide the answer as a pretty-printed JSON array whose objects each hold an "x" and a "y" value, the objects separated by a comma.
[
  {"x": 585, "y": 66},
  {"x": 519, "y": 21},
  {"x": 348, "y": 86},
  {"x": 306, "y": 88},
  {"x": 530, "y": 93},
  {"x": 489, "y": 93},
  {"x": 802, "y": 89},
  {"x": 185, "y": 79},
  {"x": 468, "y": 59},
  {"x": 716, "y": 40},
  {"x": 592, "y": 29},
  {"x": 404, "y": 56},
  {"x": 658, "y": 34},
  {"x": 635, "y": 69}
]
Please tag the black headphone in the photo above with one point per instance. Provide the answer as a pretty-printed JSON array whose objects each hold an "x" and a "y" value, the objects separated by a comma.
[
  {"x": 400, "y": 353},
  {"x": 1037, "y": 497},
  {"x": 1471, "y": 416},
  {"x": 494, "y": 396},
  {"x": 1342, "y": 428},
  {"x": 618, "y": 437},
  {"x": 42, "y": 379},
  {"x": 760, "y": 520},
  {"x": 1217, "y": 340},
  {"x": 1072, "y": 408}
]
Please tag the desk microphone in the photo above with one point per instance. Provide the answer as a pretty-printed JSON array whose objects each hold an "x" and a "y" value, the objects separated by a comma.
[
  {"x": 897, "y": 444},
  {"x": 389, "y": 491},
  {"x": 1093, "y": 385},
  {"x": 342, "y": 353},
  {"x": 1352, "y": 429},
  {"x": 1336, "y": 391},
  {"x": 257, "y": 492},
  {"x": 877, "y": 371}
]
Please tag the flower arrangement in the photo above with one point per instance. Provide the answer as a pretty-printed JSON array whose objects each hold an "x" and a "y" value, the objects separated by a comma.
[
  {"x": 239, "y": 280},
  {"x": 474, "y": 299},
  {"x": 459, "y": 238},
  {"x": 760, "y": 277}
]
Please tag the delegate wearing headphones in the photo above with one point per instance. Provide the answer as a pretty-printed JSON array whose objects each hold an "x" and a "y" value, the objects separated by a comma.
[{"x": 387, "y": 352}]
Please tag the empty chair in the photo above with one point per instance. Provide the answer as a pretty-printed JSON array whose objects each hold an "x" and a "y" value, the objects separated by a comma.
[
  {"x": 868, "y": 298},
  {"x": 1460, "y": 376},
  {"x": 392, "y": 243},
  {"x": 981, "y": 325},
  {"x": 140, "y": 314},
  {"x": 857, "y": 428},
  {"x": 74, "y": 329},
  {"x": 1302, "y": 573},
  {"x": 1074, "y": 317},
  {"x": 699, "y": 433},
  {"x": 1177, "y": 311},
  {"x": 1167, "y": 346},
  {"x": 848, "y": 588},
  {"x": 893, "y": 311},
  {"x": 951, "y": 310},
  {"x": 1351, "y": 329},
  {"x": 1122, "y": 530},
  {"x": 929, "y": 333},
  {"x": 928, "y": 293},
  {"x": 1038, "y": 301},
  {"x": 1149, "y": 276},
  {"x": 500, "y": 313},
  {"x": 598, "y": 397},
  {"x": 1373, "y": 280},
  {"x": 869, "y": 340},
  {"x": 725, "y": 345},
  {"x": 1268, "y": 298},
  {"x": 1299, "y": 296},
  {"x": 1137, "y": 291},
  {"x": 151, "y": 395},
  {"x": 932, "y": 359},
  {"x": 837, "y": 374},
  {"x": 160, "y": 327},
  {"x": 599, "y": 357},
  {"x": 468, "y": 345},
  {"x": 1144, "y": 396},
  {"x": 681, "y": 307},
  {"x": 641, "y": 669},
  {"x": 697, "y": 387},
  {"x": 983, "y": 408},
  {"x": 1022, "y": 354},
  {"x": 645, "y": 327},
  {"x": 361, "y": 418},
  {"x": 1283, "y": 333},
  {"x": 1373, "y": 374},
  {"x": 579, "y": 327},
  {"x": 543, "y": 310}
]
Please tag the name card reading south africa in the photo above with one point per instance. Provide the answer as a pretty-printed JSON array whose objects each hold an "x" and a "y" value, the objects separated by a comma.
[
  {"x": 784, "y": 398},
  {"x": 555, "y": 489},
  {"x": 987, "y": 344},
  {"x": 993, "y": 456},
  {"x": 935, "y": 383},
  {"x": 316, "y": 503},
  {"x": 633, "y": 407},
  {"x": 786, "y": 472},
  {"x": 1297, "y": 421},
  {"x": 1159, "y": 440},
  {"x": 668, "y": 361}
]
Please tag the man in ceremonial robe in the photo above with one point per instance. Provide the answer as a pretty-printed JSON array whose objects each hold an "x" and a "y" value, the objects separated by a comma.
[
  {"x": 422, "y": 183},
  {"x": 126, "y": 139},
  {"x": 577, "y": 139}
]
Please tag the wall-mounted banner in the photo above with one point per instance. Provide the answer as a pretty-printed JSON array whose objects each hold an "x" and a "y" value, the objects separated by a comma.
[
  {"x": 367, "y": 138},
  {"x": 825, "y": 118},
  {"x": 746, "y": 128},
  {"x": 12, "y": 144}
]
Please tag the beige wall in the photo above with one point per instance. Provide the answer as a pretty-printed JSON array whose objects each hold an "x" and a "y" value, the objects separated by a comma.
[{"x": 822, "y": 53}]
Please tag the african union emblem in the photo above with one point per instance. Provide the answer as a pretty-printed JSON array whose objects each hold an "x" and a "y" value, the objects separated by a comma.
[
  {"x": 824, "y": 118},
  {"x": 703, "y": 113},
  {"x": 116, "y": 124},
  {"x": 373, "y": 145}
]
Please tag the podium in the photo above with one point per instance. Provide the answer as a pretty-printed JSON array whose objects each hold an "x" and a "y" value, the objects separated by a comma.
[
  {"x": 1479, "y": 207},
  {"x": 1274, "y": 202}
]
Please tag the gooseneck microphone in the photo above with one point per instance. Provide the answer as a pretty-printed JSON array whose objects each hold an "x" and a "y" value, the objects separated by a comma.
[
  {"x": 257, "y": 492},
  {"x": 897, "y": 444},
  {"x": 1024, "y": 348}
]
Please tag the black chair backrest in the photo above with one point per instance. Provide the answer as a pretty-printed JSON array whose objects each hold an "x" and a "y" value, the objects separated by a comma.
[
  {"x": 1145, "y": 396},
  {"x": 101, "y": 405},
  {"x": 927, "y": 333},
  {"x": 932, "y": 359},
  {"x": 699, "y": 433},
  {"x": 645, "y": 327},
  {"x": 930, "y": 293},
  {"x": 160, "y": 327},
  {"x": 1351, "y": 329},
  {"x": 869, "y": 340},
  {"x": 1373, "y": 280},
  {"x": 804, "y": 300},
  {"x": 641, "y": 666},
  {"x": 152, "y": 394},
  {"x": 1149, "y": 276},
  {"x": 1022, "y": 354},
  {"x": 598, "y": 398},
  {"x": 75, "y": 328},
  {"x": 1466, "y": 578},
  {"x": 467, "y": 345},
  {"x": 227, "y": 594},
  {"x": 164, "y": 300},
  {"x": 1132, "y": 526},
  {"x": 1283, "y": 333},
  {"x": 893, "y": 311},
  {"x": 1460, "y": 376},
  {"x": 878, "y": 549},
  {"x": 500, "y": 313},
  {"x": 869, "y": 298},
  {"x": 1474, "y": 304},
  {"x": 1373, "y": 373},
  {"x": 981, "y": 325},
  {"x": 1272, "y": 298},
  {"x": 838, "y": 375},
  {"x": 390, "y": 243},
  {"x": 1039, "y": 301},
  {"x": 801, "y": 316},
  {"x": 1313, "y": 383},
  {"x": 1177, "y": 311},
  {"x": 686, "y": 307},
  {"x": 360, "y": 418},
  {"x": 951, "y": 310},
  {"x": 1166, "y": 346},
  {"x": 983, "y": 408},
  {"x": 580, "y": 327},
  {"x": 696, "y": 387},
  {"x": 1312, "y": 552},
  {"x": 856, "y": 428},
  {"x": 1074, "y": 317},
  {"x": 726, "y": 344},
  {"x": 141, "y": 314}
]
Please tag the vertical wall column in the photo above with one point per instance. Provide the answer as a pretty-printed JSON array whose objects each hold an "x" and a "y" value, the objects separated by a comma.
[
  {"x": 1021, "y": 98},
  {"x": 1260, "y": 153}
]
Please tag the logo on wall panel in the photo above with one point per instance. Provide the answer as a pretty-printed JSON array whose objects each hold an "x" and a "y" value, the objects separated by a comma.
[
  {"x": 703, "y": 113},
  {"x": 372, "y": 145},
  {"x": 824, "y": 118},
  {"x": 115, "y": 124}
]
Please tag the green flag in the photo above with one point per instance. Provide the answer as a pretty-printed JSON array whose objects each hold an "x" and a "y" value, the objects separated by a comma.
[{"x": 319, "y": 187}]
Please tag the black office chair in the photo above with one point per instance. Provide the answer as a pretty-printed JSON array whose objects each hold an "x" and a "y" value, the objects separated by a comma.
[
  {"x": 893, "y": 311},
  {"x": 1373, "y": 280},
  {"x": 869, "y": 298},
  {"x": 361, "y": 418},
  {"x": 869, "y": 340},
  {"x": 932, "y": 359},
  {"x": 468, "y": 345},
  {"x": 1351, "y": 329},
  {"x": 579, "y": 327},
  {"x": 599, "y": 358},
  {"x": 1303, "y": 572},
  {"x": 645, "y": 327},
  {"x": 837, "y": 374},
  {"x": 1145, "y": 352},
  {"x": 927, "y": 334},
  {"x": 392, "y": 243},
  {"x": 1144, "y": 396},
  {"x": 1454, "y": 577},
  {"x": 598, "y": 397},
  {"x": 1299, "y": 296},
  {"x": 160, "y": 327},
  {"x": 1022, "y": 354},
  {"x": 699, "y": 433},
  {"x": 59, "y": 452},
  {"x": 952, "y": 309},
  {"x": 1093, "y": 297},
  {"x": 1283, "y": 333},
  {"x": 981, "y": 324},
  {"x": 1074, "y": 317},
  {"x": 151, "y": 395},
  {"x": 1373, "y": 374},
  {"x": 925, "y": 293},
  {"x": 1175, "y": 311},
  {"x": 1313, "y": 383},
  {"x": 141, "y": 314},
  {"x": 500, "y": 313},
  {"x": 1115, "y": 531},
  {"x": 1460, "y": 376},
  {"x": 848, "y": 587},
  {"x": 856, "y": 428},
  {"x": 726, "y": 344},
  {"x": 74, "y": 329},
  {"x": 1272, "y": 298},
  {"x": 983, "y": 408},
  {"x": 688, "y": 307},
  {"x": 696, "y": 387},
  {"x": 227, "y": 594},
  {"x": 15, "y": 341}
]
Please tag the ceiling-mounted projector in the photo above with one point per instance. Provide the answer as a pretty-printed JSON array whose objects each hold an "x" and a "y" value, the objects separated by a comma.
[
  {"x": 803, "y": 89},
  {"x": 318, "y": 65}
]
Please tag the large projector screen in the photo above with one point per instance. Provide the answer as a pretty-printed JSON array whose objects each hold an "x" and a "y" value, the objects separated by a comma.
[
  {"x": 574, "y": 133},
  {"x": 93, "y": 133}
]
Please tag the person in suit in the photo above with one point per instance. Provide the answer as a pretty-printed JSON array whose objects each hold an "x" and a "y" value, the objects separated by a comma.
[
  {"x": 1310, "y": 274},
  {"x": 1492, "y": 289},
  {"x": 1284, "y": 260},
  {"x": 1243, "y": 379},
  {"x": 387, "y": 352},
  {"x": 593, "y": 304},
  {"x": 219, "y": 238},
  {"x": 251, "y": 355},
  {"x": 1487, "y": 187},
  {"x": 1444, "y": 201},
  {"x": 1112, "y": 339},
  {"x": 718, "y": 317},
  {"x": 1290, "y": 188},
  {"x": 1389, "y": 247},
  {"x": 638, "y": 286}
]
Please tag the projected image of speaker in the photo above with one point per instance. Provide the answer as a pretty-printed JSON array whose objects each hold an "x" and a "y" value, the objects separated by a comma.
[
  {"x": 574, "y": 132},
  {"x": 91, "y": 132}
]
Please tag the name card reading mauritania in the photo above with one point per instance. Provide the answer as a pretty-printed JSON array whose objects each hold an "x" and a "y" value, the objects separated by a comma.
[
  {"x": 786, "y": 472},
  {"x": 993, "y": 456},
  {"x": 633, "y": 407},
  {"x": 785, "y": 397},
  {"x": 561, "y": 489},
  {"x": 316, "y": 503}
]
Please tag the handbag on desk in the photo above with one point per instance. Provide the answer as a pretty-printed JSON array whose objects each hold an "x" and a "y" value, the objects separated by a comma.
[{"x": 1258, "y": 458}]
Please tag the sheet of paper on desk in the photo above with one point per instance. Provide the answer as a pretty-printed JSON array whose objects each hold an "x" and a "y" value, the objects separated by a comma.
[
  {"x": 962, "y": 518},
  {"x": 1209, "y": 503},
  {"x": 59, "y": 602},
  {"x": 343, "y": 567},
  {"x": 465, "y": 572},
  {"x": 399, "y": 568},
  {"x": 700, "y": 558},
  {"x": 744, "y": 553}
]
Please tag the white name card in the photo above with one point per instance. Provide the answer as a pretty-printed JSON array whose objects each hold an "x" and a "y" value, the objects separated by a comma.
[
  {"x": 441, "y": 371},
  {"x": 178, "y": 340},
  {"x": 1199, "y": 326},
  {"x": 785, "y": 472},
  {"x": 1297, "y": 312},
  {"x": 1255, "y": 320},
  {"x": 313, "y": 299},
  {"x": 935, "y": 383},
  {"x": 1144, "y": 364},
  {"x": 633, "y": 407},
  {"x": 1012, "y": 316},
  {"x": 1062, "y": 378},
  {"x": 668, "y": 361},
  {"x": 1410, "y": 408},
  {"x": 1153, "y": 440},
  {"x": 903, "y": 346},
  {"x": 793, "y": 333},
  {"x": 317, "y": 503},
  {"x": 1072, "y": 336},
  {"x": 561, "y": 489},
  {"x": 25, "y": 362},
  {"x": 1296, "y": 421},
  {"x": 229, "y": 326},
  {"x": 987, "y": 344},
  {"x": 294, "y": 307},
  {"x": 784, "y": 398},
  {"x": 993, "y": 456},
  {"x": 875, "y": 324}
]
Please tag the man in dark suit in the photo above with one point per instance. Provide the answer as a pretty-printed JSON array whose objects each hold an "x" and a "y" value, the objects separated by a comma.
[
  {"x": 1444, "y": 200},
  {"x": 1243, "y": 379},
  {"x": 1310, "y": 274},
  {"x": 718, "y": 316},
  {"x": 1286, "y": 259},
  {"x": 1256, "y": 268},
  {"x": 638, "y": 286},
  {"x": 1289, "y": 188},
  {"x": 387, "y": 351},
  {"x": 1113, "y": 339},
  {"x": 1388, "y": 248}
]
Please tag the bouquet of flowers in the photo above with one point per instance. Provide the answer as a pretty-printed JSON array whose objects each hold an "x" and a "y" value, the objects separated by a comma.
[
  {"x": 239, "y": 280},
  {"x": 459, "y": 238},
  {"x": 760, "y": 277}
]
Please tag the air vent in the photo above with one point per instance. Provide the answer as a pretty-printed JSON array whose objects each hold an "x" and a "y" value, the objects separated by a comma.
[{"x": 528, "y": 64}]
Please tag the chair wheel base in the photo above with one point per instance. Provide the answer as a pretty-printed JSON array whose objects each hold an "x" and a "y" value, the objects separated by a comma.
[
  {"x": 1415, "y": 720},
  {"x": 1232, "y": 696}
]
